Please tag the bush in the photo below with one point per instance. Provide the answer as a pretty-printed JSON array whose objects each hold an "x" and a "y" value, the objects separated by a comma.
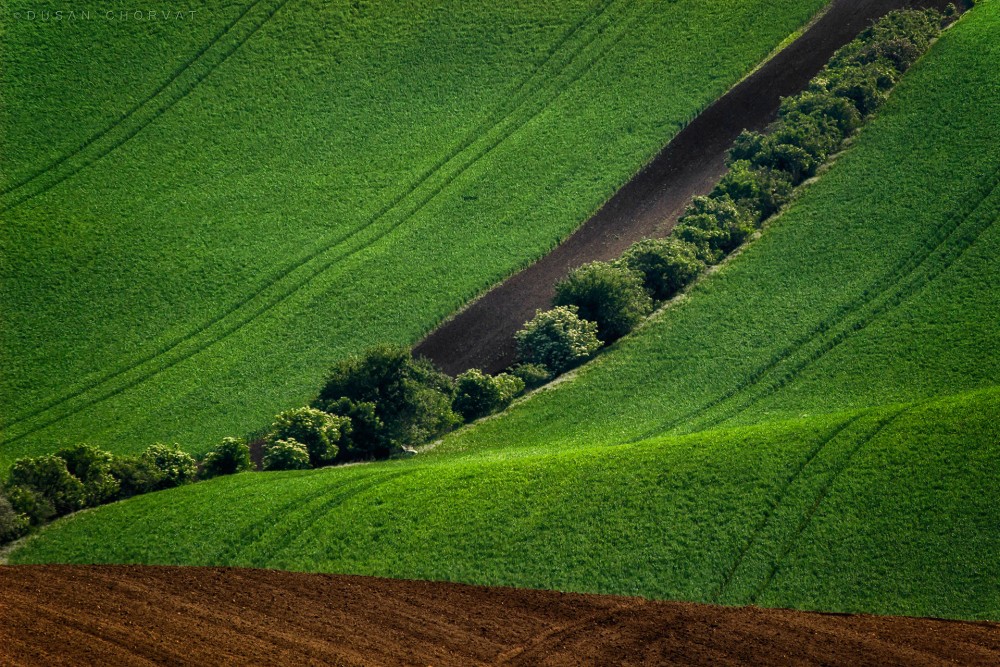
[
  {"x": 557, "y": 339},
  {"x": 759, "y": 192},
  {"x": 92, "y": 467},
  {"x": 32, "y": 504},
  {"x": 175, "y": 467},
  {"x": 48, "y": 477},
  {"x": 666, "y": 265},
  {"x": 229, "y": 457},
  {"x": 13, "y": 524},
  {"x": 285, "y": 455},
  {"x": 866, "y": 87},
  {"x": 318, "y": 431},
  {"x": 136, "y": 475},
  {"x": 478, "y": 394},
  {"x": 714, "y": 226},
  {"x": 532, "y": 375},
  {"x": 821, "y": 104},
  {"x": 412, "y": 398},
  {"x": 366, "y": 439},
  {"x": 612, "y": 296}
]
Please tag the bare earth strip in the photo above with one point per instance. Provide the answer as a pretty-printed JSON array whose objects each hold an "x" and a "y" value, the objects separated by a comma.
[
  {"x": 129, "y": 615},
  {"x": 482, "y": 335}
]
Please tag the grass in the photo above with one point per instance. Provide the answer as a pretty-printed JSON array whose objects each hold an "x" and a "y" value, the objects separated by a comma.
[
  {"x": 876, "y": 287},
  {"x": 200, "y": 216},
  {"x": 812, "y": 426},
  {"x": 763, "y": 514}
]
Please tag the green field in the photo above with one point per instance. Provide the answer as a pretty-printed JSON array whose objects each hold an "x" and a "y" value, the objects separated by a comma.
[
  {"x": 813, "y": 425},
  {"x": 198, "y": 217}
]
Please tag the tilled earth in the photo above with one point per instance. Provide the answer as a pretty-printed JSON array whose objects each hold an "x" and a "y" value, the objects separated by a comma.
[{"x": 128, "y": 615}]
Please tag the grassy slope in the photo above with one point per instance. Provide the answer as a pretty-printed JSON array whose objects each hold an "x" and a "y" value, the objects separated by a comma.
[
  {"x": 889, "y": 511},
  {"x": 890, "y": 508},
  {"x": 877, "y": 286},
  {"x": 286, "y": 181}
]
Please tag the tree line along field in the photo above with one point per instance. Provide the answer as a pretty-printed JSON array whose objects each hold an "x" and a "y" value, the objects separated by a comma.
[
  {"x": 269, "y": 194},
  {"x": 811, "y": 426}
]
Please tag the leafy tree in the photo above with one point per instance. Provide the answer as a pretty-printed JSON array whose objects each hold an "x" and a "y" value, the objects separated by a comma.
[
  {"x": 557, "y": 339},
  {"x": 285, "y": 455},
  {"x": 867, "y": 86},
  {"x": 367, "y": 439},
  {"x": 760, "y": 192},
  {"x": 612, "y": 296},
  {"x": 478, "y": 394},
  {"x": 666, "y": 265},
  {"x": 136, "y": 475},
  {"x": 715, "y": 226},
  {"x": 821, "y": 104},
  {"x": 49, "y": 477},
  {"x": 92, "y": 466},
  {"x": 319, "y": 431},
  {"x": 229, "y": 457},
  {"x": 412, "y": 398},
  {"x": 13, "y": 524},
  {"x": 30, "y": 503},
  {"x": 176, "y": 467}
]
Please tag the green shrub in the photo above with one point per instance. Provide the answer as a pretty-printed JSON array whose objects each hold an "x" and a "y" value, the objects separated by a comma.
[
  {"x": 49, "y": 477},
  {"x": 92, "y": 467},
  {"x": 367, "y": 439},
  {"x": 175, "y": 466},
  {"x": 610, "y": 295},
  {"x": 478, "y": 394},
  {"x": 557, "y": 339},
  {"x": 714, "y": 226},
  {"x": 865, "y": 86},
  {"x": 532, "y": 375},
  {"x": 320, "y": 432},
  {"x": 136, "y": 475},
  {"x": 285, "y": 455},
  {"x": 229, "y": 457},
  {"x": 28, "y": 502},
  {"x": 821, "y": 104},
  {"x": 666, "y": 265},
  {"x": 759, "y": 192},
  {"x": 13, "y": 524},
  {"x": 412, "y": 398}
]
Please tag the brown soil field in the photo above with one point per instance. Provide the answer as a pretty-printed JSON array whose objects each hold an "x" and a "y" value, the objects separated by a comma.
[
  {"x": 482, "y": 335},
  {"x": 129, "y": 615}
]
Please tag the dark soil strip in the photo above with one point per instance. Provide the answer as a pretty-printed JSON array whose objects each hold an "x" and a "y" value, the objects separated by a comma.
[
  {"x": 128, "y": 615},
  {"x": 482, "y": 335}
]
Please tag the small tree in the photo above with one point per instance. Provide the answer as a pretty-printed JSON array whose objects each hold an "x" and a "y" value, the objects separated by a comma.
[
  {"x": 92, "y": 467},
  {"x": 30, "y": 503},
  {"x": 478, "y": 394},
  {"x": 666, "y": 265},
  {"x": 175, "y": 466},
  {"x": 557, "y": 339},
  {"x": 49, "y": 477},
  {"x": 229, "y": 457},
  {"x": 320, "y": 432},
  {"x": 612, "y": 296},
  {"x": 759, "y": 192},
  {"x": 412, "y": 398},
  {"x": 367, "y": 437},
  {"x": 821, "y": 104},
  {"x": 285, "y": 455},
  {"x": 715, "y": 226},
  {"x": 135, "y": 475},
  {"x": 13, "y": 524}
]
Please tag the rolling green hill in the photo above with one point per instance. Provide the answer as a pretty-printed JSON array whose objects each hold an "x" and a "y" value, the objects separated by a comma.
[
  {"x": 200, "y": 215},
  {"x": 814, "y": 425}
]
